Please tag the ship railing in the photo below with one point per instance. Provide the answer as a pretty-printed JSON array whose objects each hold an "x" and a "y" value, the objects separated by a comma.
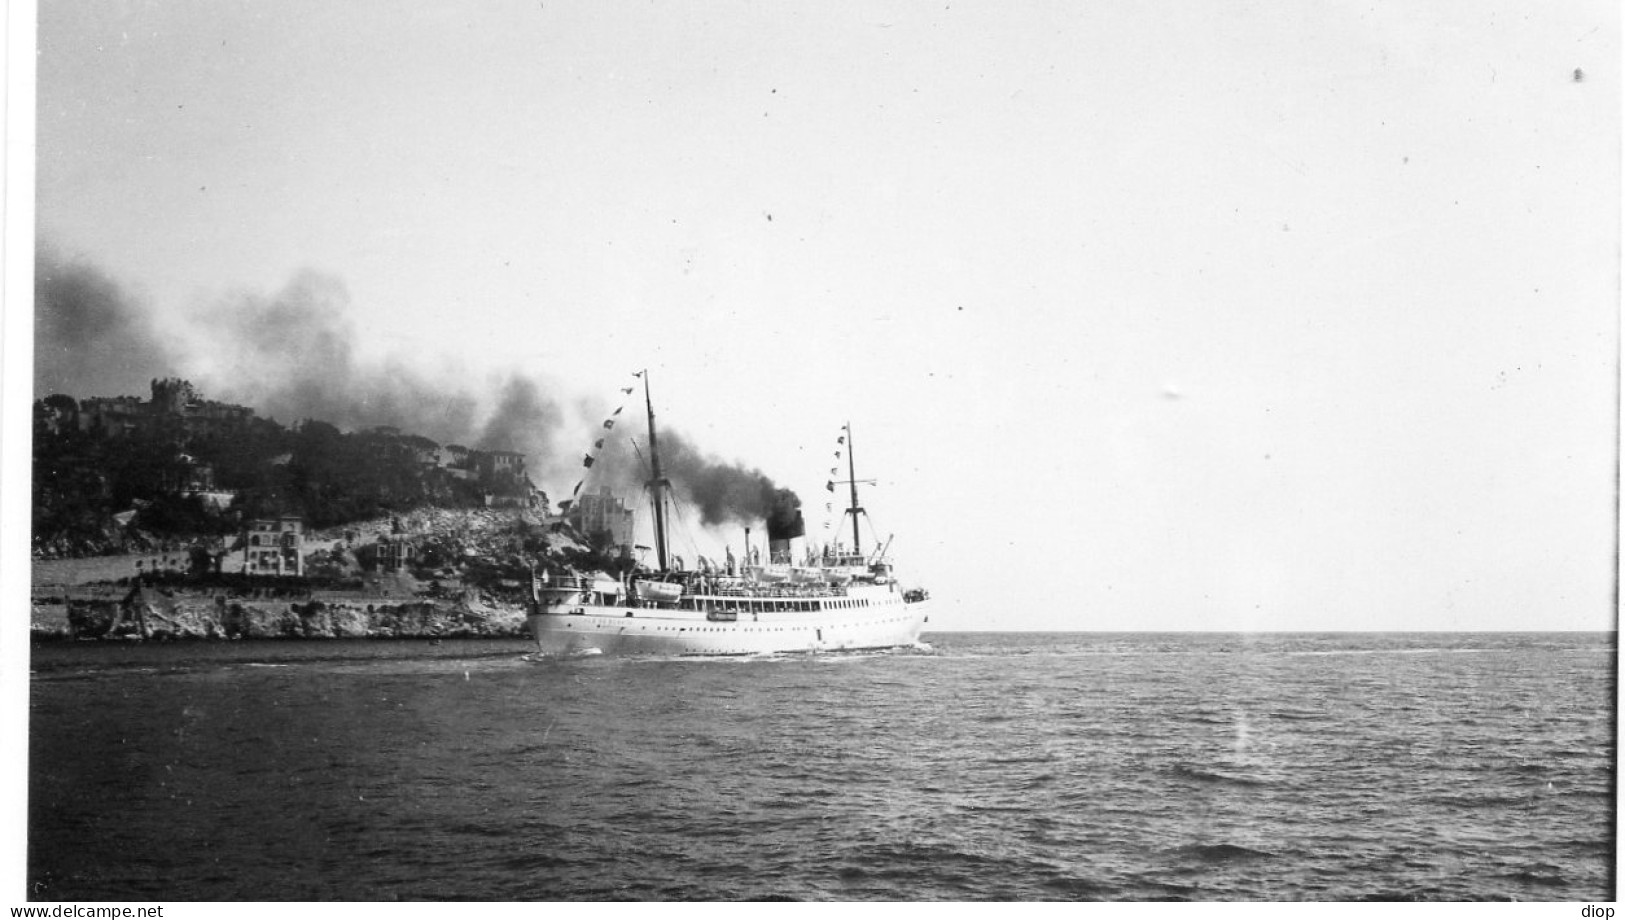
[{"x": 776, "y": 591}]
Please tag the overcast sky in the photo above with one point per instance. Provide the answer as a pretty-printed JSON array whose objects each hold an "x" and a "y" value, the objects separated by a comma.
[{"x": 1148, "y": 315}]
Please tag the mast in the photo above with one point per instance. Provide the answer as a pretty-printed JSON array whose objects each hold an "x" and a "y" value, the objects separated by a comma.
[
  {"x": 852, "y": 480},
  {"x": 657, "y": 485}
]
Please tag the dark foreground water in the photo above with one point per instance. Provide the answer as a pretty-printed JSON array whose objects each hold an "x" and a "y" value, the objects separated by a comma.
[{"x": 1003, "y": 766}]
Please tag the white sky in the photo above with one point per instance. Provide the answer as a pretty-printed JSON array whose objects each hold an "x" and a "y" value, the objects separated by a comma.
[{"x": 1146, "y": 315}]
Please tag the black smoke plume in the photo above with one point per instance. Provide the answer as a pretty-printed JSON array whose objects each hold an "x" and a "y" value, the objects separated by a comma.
[
  {"x": 295, "y": 358},
  {"x": 722, "y": 492},
  {"x": 290, "y": 355},
  {"x": 525, "y": 419},
  {"x": 786, "y": 526},
  {"x": 90, "y": 337}
]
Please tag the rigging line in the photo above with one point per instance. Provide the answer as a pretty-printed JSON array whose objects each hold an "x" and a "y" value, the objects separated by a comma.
[
  {"x": 644, "y": 464},
  {"x": 682, "y": 519},
  {"x": 692, "y": 546},
  {"x": 874, "y": 535}
]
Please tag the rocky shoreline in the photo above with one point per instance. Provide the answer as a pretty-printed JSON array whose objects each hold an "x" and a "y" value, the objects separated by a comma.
[
  {"x": 472, "y": 591},
  {"x": 148, "y": 613}
]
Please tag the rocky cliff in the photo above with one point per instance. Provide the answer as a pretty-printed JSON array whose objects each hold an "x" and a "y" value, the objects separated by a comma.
[{"x": 149, "y": 613}]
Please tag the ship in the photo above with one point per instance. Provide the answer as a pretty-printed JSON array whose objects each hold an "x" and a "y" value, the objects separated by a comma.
[{"x": 839, "y": 598}]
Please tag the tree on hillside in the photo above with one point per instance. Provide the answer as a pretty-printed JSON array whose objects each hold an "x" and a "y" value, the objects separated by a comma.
[{"x": 83, "y": 478}]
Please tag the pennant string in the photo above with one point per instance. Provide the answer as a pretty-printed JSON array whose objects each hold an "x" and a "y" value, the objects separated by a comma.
[
  {"x": 829, "y": 507},
  {"x": 588, "y": 459}
]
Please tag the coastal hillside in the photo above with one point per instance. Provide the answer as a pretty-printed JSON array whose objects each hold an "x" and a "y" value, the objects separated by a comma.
[
  {"x": 466, "y": 574},
  {"x": 118, "y": 475}
]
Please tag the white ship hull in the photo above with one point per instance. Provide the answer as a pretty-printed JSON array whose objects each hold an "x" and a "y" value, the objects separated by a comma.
[{"x": 870, "y": 617}]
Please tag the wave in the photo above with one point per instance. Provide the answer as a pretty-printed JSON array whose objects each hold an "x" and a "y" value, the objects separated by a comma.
[
  {"x": 1045, "y": 757},
  {"x": 1201, "y": 774},
  {"x": 1321, "y": 653},
  {"x": 997, "y": 809},
  {"x": 1080, "y": 888},
  {"x": 1220, "y": 853},
  {"x": 1481, "y": 800},
  {"x": 1432, "y": 894},
  {"x": 907, "y": 859},
  {"x": 1537, "y": 875},
  {"x": 470, "y": 829}
]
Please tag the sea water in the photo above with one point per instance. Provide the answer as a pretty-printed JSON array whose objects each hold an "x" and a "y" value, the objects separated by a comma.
[{"x": 982, "y": 766}]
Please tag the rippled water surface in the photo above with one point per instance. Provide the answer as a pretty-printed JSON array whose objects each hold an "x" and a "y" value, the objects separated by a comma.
[{"x": 988, "y": 766}]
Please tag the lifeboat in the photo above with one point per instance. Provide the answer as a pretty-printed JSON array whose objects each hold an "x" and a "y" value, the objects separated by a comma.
[
  {"x": 768, "y": 576},
  {"x": 660, "y": 592}
]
